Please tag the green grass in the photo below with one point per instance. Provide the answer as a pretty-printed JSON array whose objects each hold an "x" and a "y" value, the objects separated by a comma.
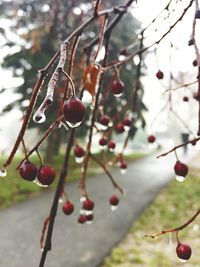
[
  {"x": 14, "y": 189},
  {"x": 173, "y": 207}
]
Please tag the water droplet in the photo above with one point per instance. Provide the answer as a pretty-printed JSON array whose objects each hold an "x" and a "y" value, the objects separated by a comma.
[
  {"x": 82, "y": 199},
  {"x": 183, "y": 261},
  {"x": 39, "y": 117},
  {"x": 113, "y": 208},
  {"x": 118, "y": 95},
  {"x": 41, "y": 249},
  {"x": 3, "y": 173},
  {"x": 126, "y": 128},
  {"x": 103, "y": 127},
  {"x": 79, "y": 159},
  {"x": 180, "y": 178},
  {"x": 73, "y": 125},
  {"x": 82, "y": 212},
  {"x": 60, "y": 200},
  {"x": 89, "y": 222},
  {"x": 111, "y": 149},
  {"x": 88, "y": 212},
  {"x": 123, "y": 171},
  {"x": 39, "y": 184},
  {"x": 110, "y": 124}
]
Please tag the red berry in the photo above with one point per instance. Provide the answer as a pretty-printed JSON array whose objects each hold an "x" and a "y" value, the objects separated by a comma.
[
  {"x": 160, "y": 75},
  {"x": 126, "y": 122},
  {"x": 119, "y": 128},
  {"x": 195, "y": 63},
  {"x": 46, "y": 175},
  {"x": 185, "y": 99},
  {"x": 81, "y": 219},
  {"x": 68, "y": 207},
  {"x": 103, "y": 141},
  {"x": 74, "y": 111},
  {"x": 151, "y": 138},
  {"x": 183, "y": 251},
  {"x": 89, "y": 217},
  {"x": 123, "y": 165},
  {"x": 28, "y": 171},
  {"x": 104, "y": 120},
  {"x": 88, "y": 204},
  {"x": 114, "y": 200},
  {"x": 193, "y": 142},
  {"x": 79, "y": 151},
  {"x": 117, "y": 87},
  {"x": 111, "y": 145},
  {"x": 123, "y": 52},
  {"x": 191, "y": 42},
  {"x": 180, "y": 169}
]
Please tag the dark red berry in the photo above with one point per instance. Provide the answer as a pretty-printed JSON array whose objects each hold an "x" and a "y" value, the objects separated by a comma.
[
  {"x": 196, "y": 96},
  {"x": 123, "y": 52},
  {"x": 119, "y": 128},
  {"x": 193, "y": 142},
  {"x": 103, "y": 141},
  {"x": 104, "y": 120},
  {"x": 111, "y": 145},
  {"x": 68, "y": 207},
  {"x": 28, "y": 171},
  {"x": 185, "y": 99},
  {"x": 180, "y": 169},
  {"x": 114, "y": 200},
  {"x": 81, "y": 219},
  {"x": 195, "y": 63},
  {"x": 74, "y": 111},
  {"x": 46, "y": 175},
  {"x": 151, "y": 138},
  {"x": 191, "y": 42},
  {"x": 79, "y": 151},
  {"x": 126, "y": 122},
  {"x": 123, "y": 165},
  {"x": 88, "y": 204},
  {"x": 183, "y": 251},
  {"x": 117, "y": 87},
  {"x": 159, "y": 74},
  {"x": 89, "y": 217}
]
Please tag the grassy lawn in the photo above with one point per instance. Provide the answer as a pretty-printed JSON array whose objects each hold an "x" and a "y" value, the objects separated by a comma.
[
  {"x": 174, "y": 206},
  {"x": 14, "y": 189}
]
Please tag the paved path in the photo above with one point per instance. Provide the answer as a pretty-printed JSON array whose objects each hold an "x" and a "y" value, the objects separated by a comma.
[{"x": 87, "y": 245}]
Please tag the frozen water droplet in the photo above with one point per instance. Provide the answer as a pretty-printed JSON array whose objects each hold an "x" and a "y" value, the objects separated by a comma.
[
  {"x": 111, "y": 149},
  {"x": 41, "y": 249},
  {"x": 82, "y": 199},
  {"x": 123, "y": 171},
  {"x": 126, "y": 128},
  {"x": 39, "y": 184},
  {"x": 180, "y": 178},
  {"x": 39, "y": 117},
  {"x": 103, "y": 127},
  {"x": 82, "y": 212},
  {"x": 89, "y": 222},
  {"x": 118, "y": 95},
  {"x": 88, "y": 212},
  {"x": 113, "y": 208},
  {"x": 183, "y": 261},
  {"x": 79, "y": 159},
  {"x": 3, "y": 173},
  {"x": 60, "y": 201},
  {"x": 73, "y": 125}
]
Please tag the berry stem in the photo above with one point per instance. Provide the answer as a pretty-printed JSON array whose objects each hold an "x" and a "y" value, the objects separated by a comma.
[
  {"x": 39, "y": 156},
  {"x": 176, "y": 147},
  {"x": 177, "y": 228},
  {"x": 114, "y": 183},
  {"x": 73, "y": 92}
]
